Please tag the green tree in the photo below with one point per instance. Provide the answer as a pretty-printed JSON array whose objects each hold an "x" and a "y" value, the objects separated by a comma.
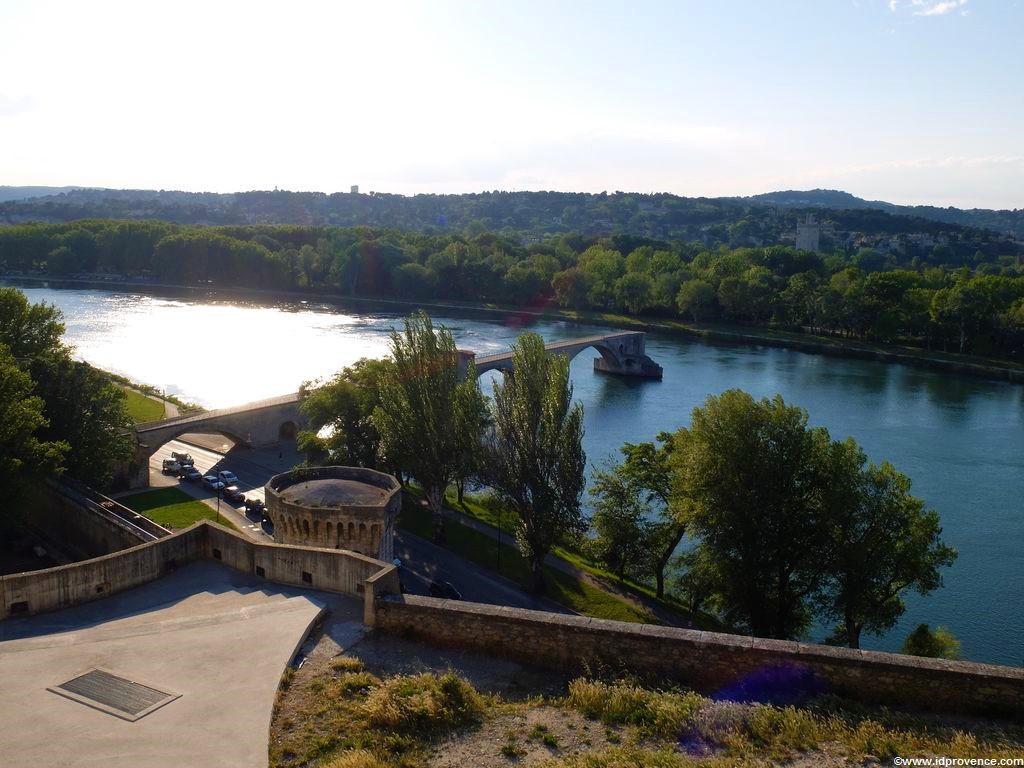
[
  {"x": 882, "y": 542},
  {"x": 745, "y": 471},
  {"x": 25, "y": 456},
  {"x": 633, "y": 292},
  {"x": 620, "y": 524},
  {"x": 88, "y": 412},
  {"x": 695, "y": 298},
  {"x": 535, "y": 459},
  {"x": 424, "y": 416},
  {"x": 937, "y": 644},
  {"x": 340, "y": 416},
  {"x": 28, "y": 330},
  {"x": 648, "y": 468}
]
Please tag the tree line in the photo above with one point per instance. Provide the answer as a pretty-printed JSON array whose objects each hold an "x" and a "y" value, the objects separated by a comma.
[
  {"x": 782, "y": 524},
  {"x": 732, "y": 221},
  {"x": 936, "y": 299}
]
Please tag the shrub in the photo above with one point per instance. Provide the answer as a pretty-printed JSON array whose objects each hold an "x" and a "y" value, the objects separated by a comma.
[
  {"x": 664, "y": 713},
  {"x": 357, "y": 758},
  {"x": 425, "y": 701},
  {"x": 347, "y": 664}
]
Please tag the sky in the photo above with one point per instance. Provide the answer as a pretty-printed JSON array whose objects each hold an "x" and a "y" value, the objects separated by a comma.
[{"x": 909, "y": 101}]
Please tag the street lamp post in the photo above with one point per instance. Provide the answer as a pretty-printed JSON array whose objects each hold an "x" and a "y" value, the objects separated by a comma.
[{"x": 499, "y": 539}]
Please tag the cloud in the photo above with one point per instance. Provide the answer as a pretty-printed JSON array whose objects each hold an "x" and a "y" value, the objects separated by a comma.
[
  {"x": 932, "y": 8},
  {"x": 10, "y": 106}
]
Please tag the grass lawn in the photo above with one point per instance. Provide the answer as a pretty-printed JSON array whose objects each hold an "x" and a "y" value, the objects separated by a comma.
[
  {"x": 483, "y": 550},
  {"x": 142, "y": 408},
  {"x": 172, "y": 508}
]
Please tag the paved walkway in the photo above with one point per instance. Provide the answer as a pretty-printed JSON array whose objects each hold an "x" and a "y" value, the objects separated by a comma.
[{"x": 217, "y": 637}]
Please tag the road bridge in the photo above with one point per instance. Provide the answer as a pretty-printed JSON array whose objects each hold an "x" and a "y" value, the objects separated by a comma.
[
  {"x": 622, "y": 353},
  {"x": 253, "y": 425}
]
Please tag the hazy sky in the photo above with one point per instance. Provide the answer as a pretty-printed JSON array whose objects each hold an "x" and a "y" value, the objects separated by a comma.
[{"x": 912, "y": 101}]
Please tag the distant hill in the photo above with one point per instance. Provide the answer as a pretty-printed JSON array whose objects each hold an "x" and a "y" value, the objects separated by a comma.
[
  {"x": 1004, "y": 221},
  {"x": 758, "y": 220},
  {"x": 24, "y": 193}
]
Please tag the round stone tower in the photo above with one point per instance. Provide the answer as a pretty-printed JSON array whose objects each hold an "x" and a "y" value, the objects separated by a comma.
[{"x": 335, "y": 507}]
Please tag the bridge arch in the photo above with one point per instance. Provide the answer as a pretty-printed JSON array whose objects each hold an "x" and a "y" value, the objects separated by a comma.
[{"x": 621, "y": 353}]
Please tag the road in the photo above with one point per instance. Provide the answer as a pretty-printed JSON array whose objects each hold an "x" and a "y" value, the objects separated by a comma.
[
  {"x": 422, "y": 561},
  {"x": 253, "y": 469}
]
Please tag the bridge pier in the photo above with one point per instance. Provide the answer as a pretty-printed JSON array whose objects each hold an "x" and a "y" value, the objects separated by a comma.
[{"x": 641, "y": 366}]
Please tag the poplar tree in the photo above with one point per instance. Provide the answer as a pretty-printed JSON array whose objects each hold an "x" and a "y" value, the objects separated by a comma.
[
  {"x": 534, "y": 457},
  {"x": 427, "y": 418}
]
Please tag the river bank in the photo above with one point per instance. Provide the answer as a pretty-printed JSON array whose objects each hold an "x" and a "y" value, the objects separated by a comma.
[{"x": 966, "y": 365}]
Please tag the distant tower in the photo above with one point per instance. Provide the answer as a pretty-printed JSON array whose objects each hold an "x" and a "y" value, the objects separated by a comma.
[
  {"x": 808, "y": 234},
  {"x": 355, "y": 189}
]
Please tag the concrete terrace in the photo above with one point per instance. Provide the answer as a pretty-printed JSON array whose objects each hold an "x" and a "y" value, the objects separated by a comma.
[{"x": 213, "y": 635}]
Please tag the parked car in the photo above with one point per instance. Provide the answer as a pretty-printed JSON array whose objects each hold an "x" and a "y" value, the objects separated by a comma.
[
  {"x": 232, "y": 494},
  {"x": 185, "y": 459},
  {"x": 227, "y": 477},
  {"x": 213, "y": 483},
  {"x": 256, "y": 506},
  {"x": 444, "y": 589},
  {"x": 171, "y": 467},
  {"x": 191, "y": 474}
]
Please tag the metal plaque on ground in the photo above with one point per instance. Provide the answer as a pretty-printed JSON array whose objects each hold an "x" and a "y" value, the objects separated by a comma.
[{"x": 114, "y": 695}]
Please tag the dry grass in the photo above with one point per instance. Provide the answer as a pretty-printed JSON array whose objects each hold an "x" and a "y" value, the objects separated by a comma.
[
  {"x": 342, "y": 716},
  {"x": 426, "y": 702}
]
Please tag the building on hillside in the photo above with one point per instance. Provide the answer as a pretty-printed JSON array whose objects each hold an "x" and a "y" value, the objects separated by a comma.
[{"x": 808, "y": 234}]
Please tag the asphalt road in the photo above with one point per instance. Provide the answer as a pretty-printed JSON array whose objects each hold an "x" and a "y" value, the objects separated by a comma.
[{"x": 422, "y": 561}]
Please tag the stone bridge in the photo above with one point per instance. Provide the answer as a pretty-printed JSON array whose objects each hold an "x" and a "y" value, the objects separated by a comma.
[
  {"x": 253, "y": 425},
  {"x": 621, "y": 353}
]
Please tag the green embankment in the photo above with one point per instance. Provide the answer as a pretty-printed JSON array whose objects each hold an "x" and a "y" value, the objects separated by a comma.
[
  {"x": 486, "y": 509},
  {"x": 172, "y": 508},
  {"x": 142, "y": 408},
  {"x": 483, "y": 550}
]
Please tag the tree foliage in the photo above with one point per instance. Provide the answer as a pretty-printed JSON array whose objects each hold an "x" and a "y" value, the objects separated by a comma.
[
  {"x": 427, "y": 418},
  {"x": 792, "y": 525},
  {"x": 534, "y": 453},
  {"x": 27, "y": 457},
  {"x": 340, "y": 416},
  {"x": 881, "y": 542},
  {"x": 939, "y": 643}
]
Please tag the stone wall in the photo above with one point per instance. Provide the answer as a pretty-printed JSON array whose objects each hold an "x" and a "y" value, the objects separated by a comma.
[
  {"x": 708, "y": 661},
  {"x": 76, "y": 527},
  {"x": 54, "y": 588},
  {"x": 331, "y": 570},
  {"x": 367, "y": 529}
]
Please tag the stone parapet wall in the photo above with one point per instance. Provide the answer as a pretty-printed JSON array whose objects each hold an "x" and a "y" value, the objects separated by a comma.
[
  {"x": 330, "y": 570},
  {"x": 708, "y": 661}
]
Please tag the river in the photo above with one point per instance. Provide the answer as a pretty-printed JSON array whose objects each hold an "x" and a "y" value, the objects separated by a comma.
[{"x": 960, "y": 440}]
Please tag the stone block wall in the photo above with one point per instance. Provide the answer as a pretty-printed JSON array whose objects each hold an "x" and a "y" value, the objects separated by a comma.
[
  {"x": 64, "y": 586},
  {"x": 330, "y": 570},
  {"x": 365, "y": 529},
  {"x": 76, "y": 527},
  {"x": 709, "y": 662}
]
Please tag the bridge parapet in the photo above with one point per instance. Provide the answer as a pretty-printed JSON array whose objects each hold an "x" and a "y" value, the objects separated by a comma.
[{"x": 622, "y": 353}]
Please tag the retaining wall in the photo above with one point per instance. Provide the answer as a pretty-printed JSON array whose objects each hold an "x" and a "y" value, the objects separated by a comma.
[
  {"x": 744, "y": 667},
  {"x": 331, "y": 570},
  {"x": 77, "y": 525}
]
